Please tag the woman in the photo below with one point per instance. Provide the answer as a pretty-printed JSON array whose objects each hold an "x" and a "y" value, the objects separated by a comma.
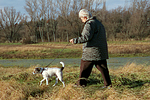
[{"x": 95, "y": 50}]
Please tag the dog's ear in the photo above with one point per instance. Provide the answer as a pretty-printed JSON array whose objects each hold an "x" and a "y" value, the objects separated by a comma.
[{"x": 38, "y": 69}]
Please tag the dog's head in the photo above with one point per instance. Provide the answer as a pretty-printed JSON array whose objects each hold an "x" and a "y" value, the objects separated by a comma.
[{"x": 37, "y": 70}]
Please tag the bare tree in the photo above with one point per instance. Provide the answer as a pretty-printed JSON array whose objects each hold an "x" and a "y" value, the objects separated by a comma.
[
  {"x": 42, "y": 14},
  {"x": 137, "y": 24},
  {"x": 32, "y": 10},
  {"x": 127, "y": 23},
  {"x": 52, "y": 16},
  {"x": 63, "y": 10},
  {"x": 2, "y": 37},
  {"x": 58, "y": 19},
  {"x": 11, "y": 22},
  {"x": 42, "y": 17},
  {"x": 68, "y": 15}
]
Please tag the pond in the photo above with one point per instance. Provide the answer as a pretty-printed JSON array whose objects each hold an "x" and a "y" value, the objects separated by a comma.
[{"x": 114, "y": 62}]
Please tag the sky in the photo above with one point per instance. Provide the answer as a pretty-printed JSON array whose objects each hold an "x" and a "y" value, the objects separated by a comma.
[{"x": 19, "y": 4}]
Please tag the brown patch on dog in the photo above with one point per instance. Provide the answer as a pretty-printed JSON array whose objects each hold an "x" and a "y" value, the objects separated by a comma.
[{"x": 37, "y": 70}]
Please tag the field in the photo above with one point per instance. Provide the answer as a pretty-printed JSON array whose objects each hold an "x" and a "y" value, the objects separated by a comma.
[
  {"x": 130, "y": 82},
  {"x": 51, "y": 50}
]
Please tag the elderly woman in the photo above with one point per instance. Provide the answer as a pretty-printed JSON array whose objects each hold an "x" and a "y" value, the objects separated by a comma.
[{"x": 95, "y": 50}]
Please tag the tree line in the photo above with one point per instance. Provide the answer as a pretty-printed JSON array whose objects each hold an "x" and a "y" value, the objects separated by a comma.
[{"x": 57, "y": 20}]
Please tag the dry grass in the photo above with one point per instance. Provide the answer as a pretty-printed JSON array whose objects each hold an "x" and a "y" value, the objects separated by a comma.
[
  {"x": 131, "y": 82},
  {"x": 34, "y": 47},
  {"x": 49, "y": 50},
  {"x": 129, "y": 48},
  {"x": 131, "y": 68},
  {"x": 9, "y": 91},
  {"x": 68, "y": 93},
  {"x": 113, "y": 47}
]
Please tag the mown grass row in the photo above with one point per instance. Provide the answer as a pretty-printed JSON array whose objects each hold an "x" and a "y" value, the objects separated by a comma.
[
  {"x": 51, "y": 50},
  {"x": 130, "y": 82},
  {"x": 41, "y": 54}
]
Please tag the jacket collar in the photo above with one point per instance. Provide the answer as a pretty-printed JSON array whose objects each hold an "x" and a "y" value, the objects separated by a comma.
[{"x": 91, "y": 18}]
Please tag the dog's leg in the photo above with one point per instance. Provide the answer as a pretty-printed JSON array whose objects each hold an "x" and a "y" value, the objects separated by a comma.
[
  {"x": 63, "y": 83},
  {"x": 42, "y": 81},
  {"x": 46, "y": 81},
  {"x": 56, "y": 81},
  {"x": 60, "y": 77}
]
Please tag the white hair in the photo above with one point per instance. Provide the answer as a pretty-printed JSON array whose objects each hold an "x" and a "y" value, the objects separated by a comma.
[{"x": 84, "y": 13}]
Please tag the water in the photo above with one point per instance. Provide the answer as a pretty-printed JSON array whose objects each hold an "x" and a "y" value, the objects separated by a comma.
[{"x": 114, "y": 62}]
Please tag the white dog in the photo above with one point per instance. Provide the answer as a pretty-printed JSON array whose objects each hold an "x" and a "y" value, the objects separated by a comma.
[{"x": 49, "y": 72}]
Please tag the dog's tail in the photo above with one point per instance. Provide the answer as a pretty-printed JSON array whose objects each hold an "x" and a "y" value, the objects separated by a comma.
[{"x": 63, "y": 65}]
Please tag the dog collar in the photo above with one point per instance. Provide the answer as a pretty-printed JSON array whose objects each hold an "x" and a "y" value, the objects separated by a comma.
[{"x": 42, "y": 70}]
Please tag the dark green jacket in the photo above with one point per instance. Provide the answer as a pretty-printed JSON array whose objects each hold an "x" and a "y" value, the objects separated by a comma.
[{"x": 94, "y": 41}]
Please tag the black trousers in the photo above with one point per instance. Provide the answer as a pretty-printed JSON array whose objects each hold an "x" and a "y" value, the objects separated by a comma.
[{"x": 86, "y": 68}]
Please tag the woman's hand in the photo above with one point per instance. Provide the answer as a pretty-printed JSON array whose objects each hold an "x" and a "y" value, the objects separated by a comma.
[{"x": 71, "y": 40}]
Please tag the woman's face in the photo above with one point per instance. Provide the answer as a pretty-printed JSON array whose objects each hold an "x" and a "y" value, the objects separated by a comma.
[{"x": 83, "y": 19}]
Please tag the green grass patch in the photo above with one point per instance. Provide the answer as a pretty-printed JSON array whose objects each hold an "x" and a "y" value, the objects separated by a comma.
[{"x": 10, "y": 43}]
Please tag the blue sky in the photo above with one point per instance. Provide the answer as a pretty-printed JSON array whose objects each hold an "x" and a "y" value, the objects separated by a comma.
[
  {"x": 16, "y": 4},
  {"x": 112, "y": 4},
  {"x": 19, "y": 4}
]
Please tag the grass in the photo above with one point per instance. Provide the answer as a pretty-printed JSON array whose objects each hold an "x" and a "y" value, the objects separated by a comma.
[
  {"x": 50, "y": 50},
  {"x": 130, "y": 82},
  {"x": 39, "y": 51},
  {"x": 129, "y": 48}
]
